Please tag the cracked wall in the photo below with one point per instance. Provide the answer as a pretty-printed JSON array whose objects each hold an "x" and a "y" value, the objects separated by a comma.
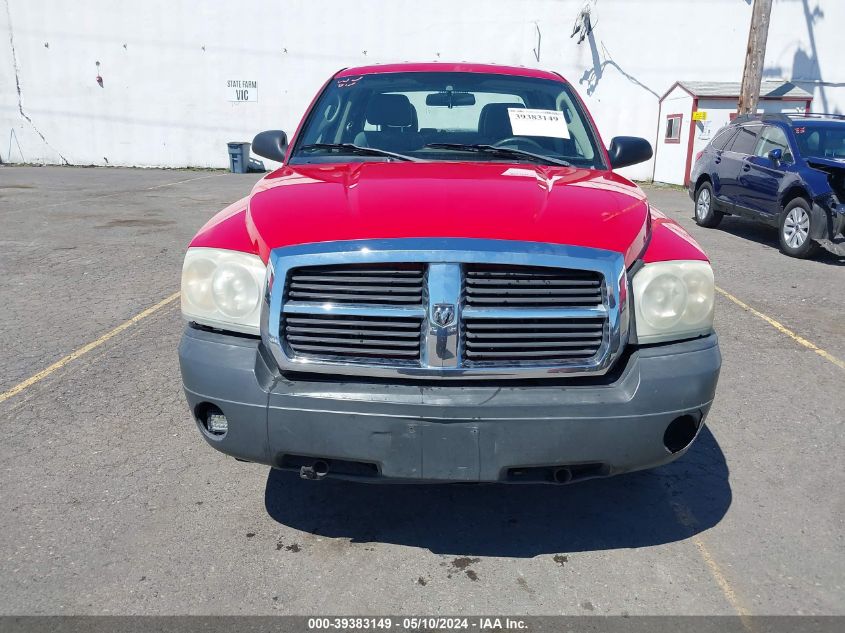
[{"x": 19, "y": 95}]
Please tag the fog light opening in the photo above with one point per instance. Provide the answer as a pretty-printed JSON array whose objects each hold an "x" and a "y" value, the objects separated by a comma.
[
  {"x": 680, "y": 433},
  {"x": 212, "y": 419}
]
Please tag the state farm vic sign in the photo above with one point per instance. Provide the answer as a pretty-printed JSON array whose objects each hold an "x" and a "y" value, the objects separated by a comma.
[{"x": 242, "y": 90}]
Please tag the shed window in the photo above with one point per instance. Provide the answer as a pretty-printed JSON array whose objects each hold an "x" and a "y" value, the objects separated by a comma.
[{"x": 673, "y": 128}]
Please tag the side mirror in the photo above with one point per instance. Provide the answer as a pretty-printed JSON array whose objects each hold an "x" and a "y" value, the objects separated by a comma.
[
  {"x": 628, "y": 150},
  {"x": 272, "y": 144},
  {"x": 776, "y": 155}
]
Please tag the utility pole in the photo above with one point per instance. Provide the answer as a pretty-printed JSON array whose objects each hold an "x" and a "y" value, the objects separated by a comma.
[{"x": 755, "y": 55}]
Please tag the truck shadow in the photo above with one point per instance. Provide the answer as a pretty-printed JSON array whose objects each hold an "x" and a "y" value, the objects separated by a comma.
[{"x": 663, "y": 505}]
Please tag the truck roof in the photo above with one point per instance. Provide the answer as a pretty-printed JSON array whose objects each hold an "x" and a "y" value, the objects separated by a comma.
[{"x": 449, "y": 67}]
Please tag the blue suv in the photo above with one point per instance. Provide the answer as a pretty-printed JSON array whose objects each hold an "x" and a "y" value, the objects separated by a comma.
[{"x": 785, "y": 170}]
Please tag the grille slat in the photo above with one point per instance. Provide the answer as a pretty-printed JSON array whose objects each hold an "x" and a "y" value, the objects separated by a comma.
[
  {"x": 505, "y": 301},
  {"x": 362, "y": 277},
  {"x": 348, "y": 337},
  {"x": 489, "y": 285},
  {"x": 293, "y": 330},
  {"x": 475, "y": 346},
  {"x": 557, "y": 332},
  {"x": 512, "y": 341},
  {"x": 372, "y": 284},
  {"x": 485, "y": 282},
  {"x": 362, "y": 269},
  {"x": 311, "y": 288},
  {"x": 535, "y": 354},
  {"x": 293, "y": 339},
  {"x": 353, "y": 297},
  {"x": 515, "y": 325},
  {"x": 305, "y": 321},
  {"x": 523, "y": 340},
  {"x": 522, "y": 290},
  {"x": 339, "y": 352},
  {"x": 534, "y": 272}
]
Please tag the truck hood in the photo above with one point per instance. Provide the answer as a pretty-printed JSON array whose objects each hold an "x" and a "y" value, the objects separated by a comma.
[{"x": 370, "y": 200}]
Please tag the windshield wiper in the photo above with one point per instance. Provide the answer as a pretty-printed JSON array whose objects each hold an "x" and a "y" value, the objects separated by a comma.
[
  {"x": 501, "y": 151},
  {"x": 355, "y": 149}
]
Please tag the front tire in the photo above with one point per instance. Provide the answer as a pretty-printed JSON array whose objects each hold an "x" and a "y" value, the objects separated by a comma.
[
  {"x": 794, "y": 230},
  {"x": 706, "y": 214}
]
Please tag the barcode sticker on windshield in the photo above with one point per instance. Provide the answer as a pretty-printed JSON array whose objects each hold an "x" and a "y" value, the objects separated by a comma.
[{"x": 525, "y": 122}]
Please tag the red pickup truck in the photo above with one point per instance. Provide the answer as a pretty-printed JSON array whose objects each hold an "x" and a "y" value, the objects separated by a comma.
[{"x": 446, "y": 281}]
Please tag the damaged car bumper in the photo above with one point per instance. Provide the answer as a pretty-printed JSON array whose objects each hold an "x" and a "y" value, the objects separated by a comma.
[{"x": 829, "y": 220}]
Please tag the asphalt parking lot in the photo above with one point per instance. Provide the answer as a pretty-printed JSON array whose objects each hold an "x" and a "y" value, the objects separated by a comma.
[{"x": 111, "y": 503}]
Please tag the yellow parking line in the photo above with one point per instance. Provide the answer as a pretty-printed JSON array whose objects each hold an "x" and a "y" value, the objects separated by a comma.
[
  {"x": 722, "y": 581},
  {"x": 686, "y": 518},
  {"x": 86, "y": 348},
  {"x": 784, "y": 330}
]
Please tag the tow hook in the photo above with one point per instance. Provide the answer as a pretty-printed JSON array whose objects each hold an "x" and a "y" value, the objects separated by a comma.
[{"x": 316, "y": 471}]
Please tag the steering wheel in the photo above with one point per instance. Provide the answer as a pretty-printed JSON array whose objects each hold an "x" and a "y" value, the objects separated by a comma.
[{"x": 518, "y": 140}]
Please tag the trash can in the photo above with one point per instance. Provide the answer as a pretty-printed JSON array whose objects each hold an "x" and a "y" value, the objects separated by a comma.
[{"x": 239, "y": 157}]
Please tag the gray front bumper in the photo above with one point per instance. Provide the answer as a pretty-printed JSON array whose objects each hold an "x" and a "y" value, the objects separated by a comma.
[{"x": 448, "y": 432}]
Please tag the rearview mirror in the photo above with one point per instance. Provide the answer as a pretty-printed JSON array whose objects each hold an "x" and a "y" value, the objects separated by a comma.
[
  {"x": 449, "y": 99},
  {"x": 628, "y": 150},
  {"x": 272, "y": 144},
  {"x": 776, "y": 155}
]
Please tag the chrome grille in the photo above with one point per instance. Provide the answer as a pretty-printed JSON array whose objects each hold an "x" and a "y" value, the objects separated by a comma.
[
  {"x": 381, "y": 284},
  {"x": 532, "y": 340},
  {"x": 350, "y": 336},
  {"x": 445, "y": 308},
  {"x": 490, "y": 285}
]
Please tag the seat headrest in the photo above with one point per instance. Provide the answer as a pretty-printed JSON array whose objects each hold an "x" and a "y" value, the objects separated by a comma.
[
  {"x": 390, "y": 110},
  {"x": 494, "y": 121}
]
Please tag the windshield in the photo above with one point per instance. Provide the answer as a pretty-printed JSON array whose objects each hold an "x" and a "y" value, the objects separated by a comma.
[
  {"x": 817, "y": 140},
  {"x": 448, "y": 117}
]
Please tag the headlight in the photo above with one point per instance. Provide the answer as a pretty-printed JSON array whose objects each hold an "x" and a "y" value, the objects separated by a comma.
[
  {"x": 222, "y": 289},
  {"x": 673, "y": 300}
]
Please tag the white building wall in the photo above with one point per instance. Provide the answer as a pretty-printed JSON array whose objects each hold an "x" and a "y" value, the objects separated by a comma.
[{"x": 165, "y": 63}]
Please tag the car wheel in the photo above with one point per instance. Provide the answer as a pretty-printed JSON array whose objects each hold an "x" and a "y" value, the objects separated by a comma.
[
  {"x": 794, "y": 230},
  {"x": 706, "y": 214}
]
